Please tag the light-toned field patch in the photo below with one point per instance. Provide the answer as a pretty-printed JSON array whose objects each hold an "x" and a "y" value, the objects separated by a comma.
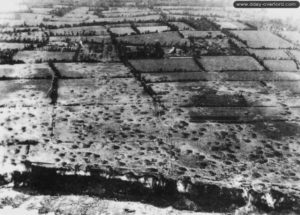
[
  {"x": 262, "y": 39},
  {"x": 182, "y": 26},
  {"x": 145, "y": 18},
  {"x": 93, "y": 70},
  {"x": 101, "y": 91},
  {"x": 202, "y": 34},
  {"x": 18, "y": 46},
  {"x": 153, "y": 29},
  {"x": 122, "y": 31},
  {"x": 223, "y": 63},
  {"x": 41, "y": 10},
  {"x": 177, "y": 77},
  {"x": 265, "y": 54},
  {"x": 128, "y": 12},
  {"x": 25, "y": 71},
  {"x": 233, "y": 25},
  {"x": 292, "y": 36},
  {"x": 281, "y": 65},
  {"x": 43, "y": 56},
  {"x": 25, "y": 124}
]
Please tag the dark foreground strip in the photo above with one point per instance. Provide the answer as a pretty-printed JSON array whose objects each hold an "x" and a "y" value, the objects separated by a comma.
[{"x": 150, "y": 188}]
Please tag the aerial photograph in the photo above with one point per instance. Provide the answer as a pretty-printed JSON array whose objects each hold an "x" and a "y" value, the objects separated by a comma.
[{"x": 149, "y": 107}]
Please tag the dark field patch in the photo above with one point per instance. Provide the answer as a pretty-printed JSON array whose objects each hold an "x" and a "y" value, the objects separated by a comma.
[
  {"x": 166, "y": 65},
  {"x": 213, "y": 100},
  {"x": 237, "y": 114},
  {"x": 277, "y": 130}
]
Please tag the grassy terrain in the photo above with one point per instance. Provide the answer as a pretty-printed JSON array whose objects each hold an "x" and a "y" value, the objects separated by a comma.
[{"x": 166, "y": 65}]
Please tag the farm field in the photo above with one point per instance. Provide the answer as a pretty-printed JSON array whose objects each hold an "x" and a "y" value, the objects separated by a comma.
[
  {"x": 147, "y": 24},
  {"x": 179, "y": 17},
  {"x": 30, "y": 19},
  {"x": 93, "y": 91},
  {"x": 207, "y": 86},
  {"x": 195, "y": 12},
  {"x": 244, "y": 76},
  {"x": 281, "y": 65},
  {"x": 291, "y": 36},
  {"x": 18, "y": 29},
  {"x": 118, "y": 25},
  {"x": 264, "y": 54},
  {"x": 80, "y": 31},
  {"x": 232, "y": 25},
  {"x": 260, "y": 76},
  {"x": 236, "y": 114},
  {"x": 296, "y": 55},
  {"x": 262, "y": 39},
  {"x": 77, "y": 13},
  {"x": 182, "y": 26},
  {"x": 60, "y": 23},
  {"x": 160, "y": 77},
  {"x": 93, "y": 70},
  {"x": 25, "y": 92},
  {"x": 166, "y": 65},
  {"x": 291, "y": 88},
  {"x": 18, "y": 46},
  {"x": 152, "y": 29},
  {"x": 128, "y": 12},
  {"x": 213, "y": 94},
  {"x": 122, "y": 31},
  {"x": 41, "y": 10},
  {"x": 202, "y": 34},
  {"x": 145, "y": 18},
  {"x": 25, "y": 71},
  {"x": 34, "y": 120},
  {"x": 106, "y": 127},
  {"x": 165, "y": 39},
  {"x": 84, "y": 39},
  {"x": 223, "y": 63},
  {"x": 43, "y": 56},
  {"x": 23, "y": 36}
]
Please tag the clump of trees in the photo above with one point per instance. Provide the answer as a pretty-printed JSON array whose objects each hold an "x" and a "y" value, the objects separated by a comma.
[
  {"x": 141, "y": 51},
  {"x": 6, "y": 56},
  {"x": 61, "y": 11}
]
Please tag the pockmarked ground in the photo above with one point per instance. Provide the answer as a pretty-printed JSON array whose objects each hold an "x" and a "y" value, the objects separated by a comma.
[{"x": 239, "y": 136}]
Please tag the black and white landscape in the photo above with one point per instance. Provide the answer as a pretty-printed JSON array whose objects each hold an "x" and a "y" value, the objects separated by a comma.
[{"x": 148, "y": 107}]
